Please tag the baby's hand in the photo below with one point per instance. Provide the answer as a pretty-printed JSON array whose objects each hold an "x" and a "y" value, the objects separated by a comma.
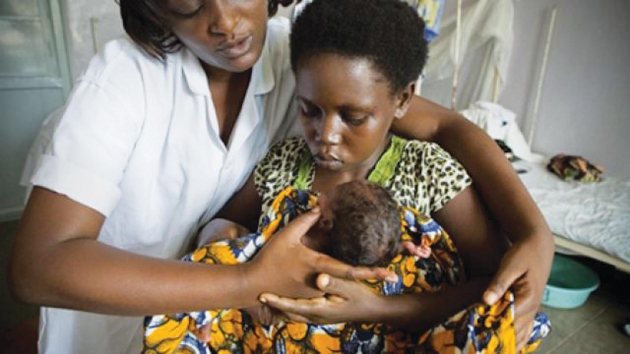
[
  {"x": 203, "y": 334},
  {"x": 422, "y": 250},
  {"x": 220, "y": 229}
]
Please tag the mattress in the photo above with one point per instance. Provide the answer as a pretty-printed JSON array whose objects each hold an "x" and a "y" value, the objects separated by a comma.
[{"x": 596, "y": 215}]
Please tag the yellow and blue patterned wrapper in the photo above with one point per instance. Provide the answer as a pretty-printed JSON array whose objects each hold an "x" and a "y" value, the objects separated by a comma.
[{"x": 477, "y": 329}]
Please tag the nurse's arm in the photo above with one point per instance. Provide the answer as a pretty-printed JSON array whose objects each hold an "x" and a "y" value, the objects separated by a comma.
[{"x": 58, "y": 262}]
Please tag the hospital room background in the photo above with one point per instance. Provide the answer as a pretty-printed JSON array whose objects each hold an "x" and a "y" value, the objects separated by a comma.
[{"x": 553, "y": 72}]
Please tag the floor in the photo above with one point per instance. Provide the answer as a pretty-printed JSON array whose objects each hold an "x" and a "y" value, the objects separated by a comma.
[{"x": 595, "y": 327}]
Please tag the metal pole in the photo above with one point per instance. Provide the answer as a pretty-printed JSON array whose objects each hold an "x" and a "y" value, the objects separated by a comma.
[{"x": 541, "y": 76}]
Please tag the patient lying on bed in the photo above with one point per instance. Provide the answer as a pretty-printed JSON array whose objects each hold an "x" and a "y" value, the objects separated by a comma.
[{"x": 361, "y": 225}]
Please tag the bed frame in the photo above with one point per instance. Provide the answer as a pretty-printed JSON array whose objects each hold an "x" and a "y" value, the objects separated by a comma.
[{"x": 587, "y": 251}]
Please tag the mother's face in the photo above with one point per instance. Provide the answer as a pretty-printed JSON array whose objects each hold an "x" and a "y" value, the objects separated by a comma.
[
  {"x": 224, "y": 34},
  {"x": 346, "y": 108}
]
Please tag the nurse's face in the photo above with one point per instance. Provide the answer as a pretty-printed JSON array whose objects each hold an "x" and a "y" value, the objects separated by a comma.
[
  {"x": 224, "y": 34},
  {"x": 346, "y": 107}
]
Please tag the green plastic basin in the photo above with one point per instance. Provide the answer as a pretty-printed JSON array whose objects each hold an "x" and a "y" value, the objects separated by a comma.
[{"x": 570, "y": 283}]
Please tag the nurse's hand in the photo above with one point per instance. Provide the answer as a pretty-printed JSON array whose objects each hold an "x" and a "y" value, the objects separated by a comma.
[
  {"x": 286, "y": 266},
  {"x": 345, "y": 301},
  {"x": 220, "y": 229}
]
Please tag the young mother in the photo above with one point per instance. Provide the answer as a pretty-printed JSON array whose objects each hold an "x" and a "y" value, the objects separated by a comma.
[{"x": 157, "y": 135}]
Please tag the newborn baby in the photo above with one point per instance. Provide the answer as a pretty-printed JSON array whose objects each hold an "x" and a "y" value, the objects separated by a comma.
[{"x": 360, "y": 224}]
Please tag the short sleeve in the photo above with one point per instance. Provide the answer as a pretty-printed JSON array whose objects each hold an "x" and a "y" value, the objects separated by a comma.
[
  {"x": 89, "y": 150},
  {"x": 446, "y": 177},
  {"x": 278, "y": 169}
]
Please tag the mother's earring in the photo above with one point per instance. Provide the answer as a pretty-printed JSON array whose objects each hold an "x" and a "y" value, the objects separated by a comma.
[{"x": 399, "y": 113}]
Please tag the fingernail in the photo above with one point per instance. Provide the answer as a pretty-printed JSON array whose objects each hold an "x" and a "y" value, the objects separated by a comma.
[
  {"x": 315, "y": 210},
  {"x": 264, "y": 298},
  {"x": 392, "y": 278},
  {"x": 491, "y": 297},
  {"x": 324, "y": 280}
]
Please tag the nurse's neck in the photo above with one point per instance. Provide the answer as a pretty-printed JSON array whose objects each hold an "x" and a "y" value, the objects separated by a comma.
[
  {"x": 218, "y": 75},
  {"x": 228, "y": 91}
]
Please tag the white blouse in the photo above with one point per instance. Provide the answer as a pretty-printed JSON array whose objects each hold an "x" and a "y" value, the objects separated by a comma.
[{"x": 138, "y": 141}]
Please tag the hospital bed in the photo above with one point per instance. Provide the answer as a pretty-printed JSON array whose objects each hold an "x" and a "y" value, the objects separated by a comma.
[{"x": 587, "y": 219}]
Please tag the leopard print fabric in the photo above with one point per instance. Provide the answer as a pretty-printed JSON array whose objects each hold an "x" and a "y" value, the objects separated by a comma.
[{"x": 424, "y": 176}]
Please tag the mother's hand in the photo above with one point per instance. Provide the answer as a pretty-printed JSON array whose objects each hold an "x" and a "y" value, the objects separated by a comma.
[
  {"x": 344, "y": 301},
  {"x": 525, "y": 268}
]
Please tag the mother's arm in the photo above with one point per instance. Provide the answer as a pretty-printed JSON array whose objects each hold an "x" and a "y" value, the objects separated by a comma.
[
  {"x": 494, "y": 177},
  {"x": 244, "y": 206},
  {"x": 527, "y": 265}
]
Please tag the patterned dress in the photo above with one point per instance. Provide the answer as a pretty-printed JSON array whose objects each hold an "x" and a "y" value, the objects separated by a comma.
[{"x": 416, "y": 173}]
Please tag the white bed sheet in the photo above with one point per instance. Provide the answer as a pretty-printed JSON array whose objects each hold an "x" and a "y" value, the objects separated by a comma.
[{"x": 592, "y": 214}]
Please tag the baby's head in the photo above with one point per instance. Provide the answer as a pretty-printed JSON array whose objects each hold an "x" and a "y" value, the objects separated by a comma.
[
  {"x": 360, "y": 224},
  {"x": 355, "y": 63}
]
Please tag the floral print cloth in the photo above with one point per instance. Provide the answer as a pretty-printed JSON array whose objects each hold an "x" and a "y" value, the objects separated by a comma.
[{"x": 477, "y": 329}]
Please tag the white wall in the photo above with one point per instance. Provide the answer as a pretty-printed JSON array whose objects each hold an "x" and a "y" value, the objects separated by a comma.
[
  {"x": 585, "y": 103},
  {"x": 79, "y": 16}
]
